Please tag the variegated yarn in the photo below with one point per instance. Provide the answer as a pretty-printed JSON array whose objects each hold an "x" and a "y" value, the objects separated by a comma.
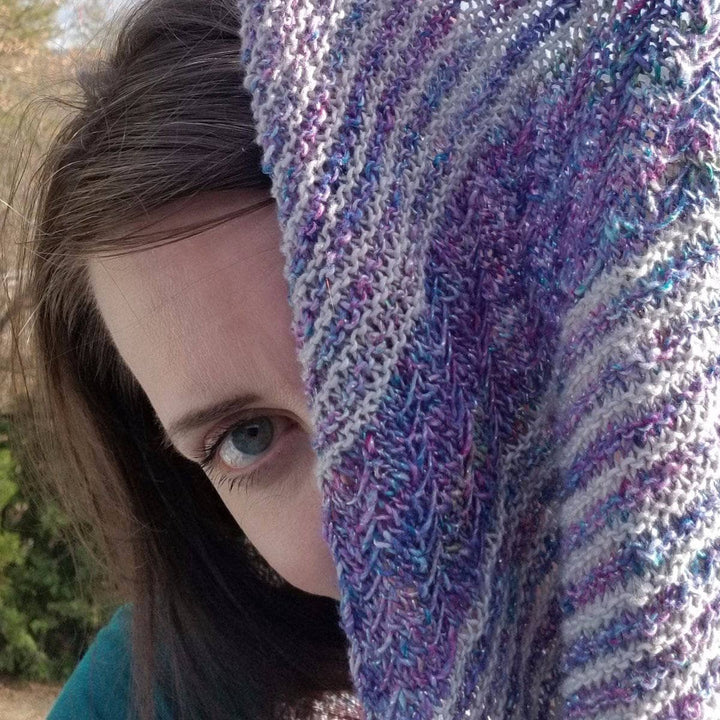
[{"x": 501, "y": 226}]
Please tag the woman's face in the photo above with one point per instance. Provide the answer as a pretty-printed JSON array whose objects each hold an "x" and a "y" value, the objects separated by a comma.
[{"x": 204, "y": 325}]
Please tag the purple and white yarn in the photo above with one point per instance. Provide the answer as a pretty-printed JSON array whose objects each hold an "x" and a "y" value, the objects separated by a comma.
[{"x": 501, "y": 224}]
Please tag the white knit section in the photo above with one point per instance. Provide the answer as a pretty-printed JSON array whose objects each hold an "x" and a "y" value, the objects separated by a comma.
[
  {"x": 512, "y": 465},
  {"x": 674, "y": 686},
  {"x": 637, "y": 591},
  {"x": 653, "y": 516},
  {"x": 640, "y": 591},
  {"x": 690, "y": 362},
  {"x": 618, "y": 663},
  {"x": 309, "y": 67},
  {"x": 299, "y": 61},
  {"x": 699, "y": 352},
  {"x": 701, "y": 227},
  {"x": 268, "y": 111},
  {"x": 697, "y": 295}
]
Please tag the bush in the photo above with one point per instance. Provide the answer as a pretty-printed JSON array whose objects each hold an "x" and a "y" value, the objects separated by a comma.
[{"x": 47, "y": 613}]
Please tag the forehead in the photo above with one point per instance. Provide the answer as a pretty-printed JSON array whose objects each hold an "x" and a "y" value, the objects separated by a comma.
[{"x": 199, "y": 319}]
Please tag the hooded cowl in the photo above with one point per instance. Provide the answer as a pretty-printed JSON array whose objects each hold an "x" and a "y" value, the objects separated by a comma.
[{"x": 501, "y": 229}]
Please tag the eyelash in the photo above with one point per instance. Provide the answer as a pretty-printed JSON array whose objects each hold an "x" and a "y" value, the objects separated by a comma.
[
  {"x": 210, "y": 452},
  {"x": 234, "y": 481}
]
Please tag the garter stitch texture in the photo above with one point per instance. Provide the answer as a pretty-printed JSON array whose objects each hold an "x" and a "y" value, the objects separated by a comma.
[{"x": 501, "y": 220}]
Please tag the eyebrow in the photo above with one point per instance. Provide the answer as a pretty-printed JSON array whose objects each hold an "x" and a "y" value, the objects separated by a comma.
[{"x": 206, "y": 415}]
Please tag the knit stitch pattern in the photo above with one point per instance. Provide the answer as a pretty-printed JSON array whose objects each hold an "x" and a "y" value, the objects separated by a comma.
[{"x": 500, "y": 223}]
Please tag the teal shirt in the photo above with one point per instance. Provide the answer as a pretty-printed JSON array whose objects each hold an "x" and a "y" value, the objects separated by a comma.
[{"x": 99, "y": 688}]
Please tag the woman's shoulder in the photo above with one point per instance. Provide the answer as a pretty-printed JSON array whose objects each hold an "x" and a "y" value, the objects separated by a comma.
[{"x": 99, "y": 687}]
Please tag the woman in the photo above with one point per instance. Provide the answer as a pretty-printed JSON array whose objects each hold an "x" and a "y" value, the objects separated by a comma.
[
  {"x": 499, "y": 228},
  {"x": 170, "y": 149}
]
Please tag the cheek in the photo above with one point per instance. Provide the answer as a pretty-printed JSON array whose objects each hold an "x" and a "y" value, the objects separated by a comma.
[{"x": 284, "y": 523}]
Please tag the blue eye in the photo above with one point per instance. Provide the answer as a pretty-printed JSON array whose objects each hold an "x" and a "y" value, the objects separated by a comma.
[{"x": 242, "y": 445}]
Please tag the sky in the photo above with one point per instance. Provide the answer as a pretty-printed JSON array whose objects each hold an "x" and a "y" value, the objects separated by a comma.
[{"x": 72, "y": 22}]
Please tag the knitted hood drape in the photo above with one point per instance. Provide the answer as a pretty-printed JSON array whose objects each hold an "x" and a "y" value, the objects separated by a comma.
[{"x": 500, "y": 223}]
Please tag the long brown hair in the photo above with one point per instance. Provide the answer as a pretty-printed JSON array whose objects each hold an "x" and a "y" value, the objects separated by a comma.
[{"x": 163, "y": 117}]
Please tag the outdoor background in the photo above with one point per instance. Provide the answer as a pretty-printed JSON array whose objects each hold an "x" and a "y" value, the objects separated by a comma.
[{"x": 49, "y": 611}]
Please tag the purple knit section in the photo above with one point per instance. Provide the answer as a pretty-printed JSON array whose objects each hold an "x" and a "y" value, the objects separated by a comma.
[{"x": 477, "y": 200}]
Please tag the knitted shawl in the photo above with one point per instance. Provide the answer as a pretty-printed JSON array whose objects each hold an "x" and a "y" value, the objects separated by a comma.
[{"x": 501, "y": 229}]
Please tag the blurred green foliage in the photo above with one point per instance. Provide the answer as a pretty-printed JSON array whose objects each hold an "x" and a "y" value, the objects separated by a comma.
[
  {"x": 24, "y": 22},
  {"x": 47, "y": 616}
]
